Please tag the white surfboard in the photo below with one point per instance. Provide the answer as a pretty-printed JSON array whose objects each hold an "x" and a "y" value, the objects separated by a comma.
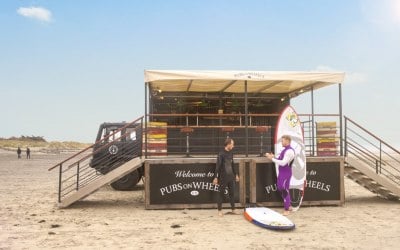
[
  {"x": 289, "y": 124},
  {"x": 268, "y": 218}
]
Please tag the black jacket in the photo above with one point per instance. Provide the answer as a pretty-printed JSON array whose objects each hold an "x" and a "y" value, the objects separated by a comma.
[{"x": 224, "y": 169}]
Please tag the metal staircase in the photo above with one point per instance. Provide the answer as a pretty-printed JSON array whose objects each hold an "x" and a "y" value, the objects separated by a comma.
[
  {"x": 78, "y": 179},
  {"x": 371, "y": 162},
  {"x": 101, "y": 181},
  {"x": 361, "y": 174}
]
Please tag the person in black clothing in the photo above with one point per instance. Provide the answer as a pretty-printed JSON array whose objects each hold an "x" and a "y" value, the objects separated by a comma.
[
  {"x": 28, "y": 153},
  {"x": 19, "y": 152},
  {"x": 225, "y": 175}
]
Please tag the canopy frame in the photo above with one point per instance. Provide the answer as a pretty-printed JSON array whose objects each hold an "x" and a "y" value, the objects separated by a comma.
[{"x": 276, "y": 84}]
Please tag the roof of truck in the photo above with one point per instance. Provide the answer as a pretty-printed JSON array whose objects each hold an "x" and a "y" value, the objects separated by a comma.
[{"x": 274, "y": 82}]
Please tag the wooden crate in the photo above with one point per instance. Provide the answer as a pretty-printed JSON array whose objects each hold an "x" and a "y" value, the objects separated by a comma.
[
  {"x": 327, "y": 140},
  {"x": 156, "y": 135}
]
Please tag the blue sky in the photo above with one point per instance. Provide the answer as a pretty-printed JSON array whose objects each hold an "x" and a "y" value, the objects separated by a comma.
[{"x": 67, "y": 66}]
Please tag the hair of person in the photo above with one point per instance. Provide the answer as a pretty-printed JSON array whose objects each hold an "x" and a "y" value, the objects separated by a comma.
[
  {"x": 228, "y": 141},
  {"x": 287, "y": 137}
]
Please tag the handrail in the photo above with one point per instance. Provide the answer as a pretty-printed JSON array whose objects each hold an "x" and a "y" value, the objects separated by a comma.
[
  {"x": 203, "y": 114},
  {"x": 214, "y": 126},
  {"x": 366, "y": 152},
  {"x": 371, "y": 134},
  {"x": 310, "y": 131},
  {"x": 233, "y": 115},
  {"x": 256, "y": 120},
  {"x": 327, "y": 115},
  {"x": 79, "y": 169},
  {"x": 71, "y": 157},
  {"x": 377, "y": 154}
]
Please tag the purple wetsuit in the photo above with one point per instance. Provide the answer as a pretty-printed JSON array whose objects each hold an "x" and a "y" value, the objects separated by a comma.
[{"x": 285, "y": 173}]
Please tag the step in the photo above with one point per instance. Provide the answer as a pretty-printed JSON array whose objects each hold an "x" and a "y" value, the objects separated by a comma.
[
  {"x": 362, "y": 178},
  {"x": 380, "y": 190},
  {"x": 366, "y": 176},
  {"x": 393, "y": 197},
  {"x": 103, "y": 180},
  {"x": 358, "y": 176}
]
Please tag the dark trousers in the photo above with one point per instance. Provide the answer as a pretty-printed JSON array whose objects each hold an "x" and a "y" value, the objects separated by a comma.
[{"x": 231, "y": 192}]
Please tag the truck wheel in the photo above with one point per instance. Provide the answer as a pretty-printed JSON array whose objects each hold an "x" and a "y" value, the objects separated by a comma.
[{"x": 128, "y": 182}]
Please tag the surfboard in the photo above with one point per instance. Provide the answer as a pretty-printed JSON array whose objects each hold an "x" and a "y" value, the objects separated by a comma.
[
  {"x": 289, "y": 124},
  {"x": 268, "y": 218}
]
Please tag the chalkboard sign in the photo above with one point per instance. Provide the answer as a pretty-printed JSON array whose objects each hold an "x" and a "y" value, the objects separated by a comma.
[
  {"x": 184, "y": 184},
  {"x": 266, "y": 183},
  {"x": 324, "y": 182}
]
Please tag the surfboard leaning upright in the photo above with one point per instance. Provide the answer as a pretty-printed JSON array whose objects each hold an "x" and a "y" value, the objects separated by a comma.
[{"x": 289, "y": 124}]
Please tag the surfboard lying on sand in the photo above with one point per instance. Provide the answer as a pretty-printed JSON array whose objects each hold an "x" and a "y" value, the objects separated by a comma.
[
  {"x": 289, "y": 124},
  {"x": 268, "y": 218}
]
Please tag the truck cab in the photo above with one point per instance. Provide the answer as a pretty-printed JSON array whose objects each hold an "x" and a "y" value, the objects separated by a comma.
[{"x": 116, "y": 144}]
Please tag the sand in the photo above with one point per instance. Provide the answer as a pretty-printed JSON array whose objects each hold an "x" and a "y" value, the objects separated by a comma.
[{"x": 30, "y": 219}]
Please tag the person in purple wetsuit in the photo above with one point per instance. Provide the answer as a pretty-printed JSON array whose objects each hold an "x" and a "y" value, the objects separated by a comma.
[{"x": 284, "y": 161}]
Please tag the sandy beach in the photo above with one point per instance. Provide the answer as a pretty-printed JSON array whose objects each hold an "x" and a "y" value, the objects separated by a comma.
[{"x": 30, "y": 219}]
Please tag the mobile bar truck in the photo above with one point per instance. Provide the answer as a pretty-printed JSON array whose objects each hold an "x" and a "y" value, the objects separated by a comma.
[{"x": 189, "y": 114}]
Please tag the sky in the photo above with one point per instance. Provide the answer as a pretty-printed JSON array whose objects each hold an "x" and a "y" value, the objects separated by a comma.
[{"x": 67, "y": 66}]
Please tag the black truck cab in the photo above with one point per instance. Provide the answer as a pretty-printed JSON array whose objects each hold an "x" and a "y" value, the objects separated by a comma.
[{"x": 116, "y": 144}]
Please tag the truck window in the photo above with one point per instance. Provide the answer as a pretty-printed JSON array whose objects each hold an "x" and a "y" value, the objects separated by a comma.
[
  {"x": 116, "y": 136},
  {"x": 131, "y": 134},
  {"x": 108, "y": 131},
  {"x": 104, "y": 134}
]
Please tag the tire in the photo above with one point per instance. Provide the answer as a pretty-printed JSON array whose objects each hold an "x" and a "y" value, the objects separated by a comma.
[{"x": 128, "y": 182}]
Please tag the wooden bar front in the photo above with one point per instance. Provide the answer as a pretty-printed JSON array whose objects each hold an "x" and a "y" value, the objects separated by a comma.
[
  {"x": 324, "y": 182},
  {"x": 176, "y": 183},
  {"x": 186, "y": 183}
]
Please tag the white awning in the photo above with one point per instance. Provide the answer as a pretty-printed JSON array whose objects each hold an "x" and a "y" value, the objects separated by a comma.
[{"x": 274, "y": 82}]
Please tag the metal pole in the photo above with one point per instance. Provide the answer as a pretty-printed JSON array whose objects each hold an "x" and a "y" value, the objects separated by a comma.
[
  {"x": 145, "y": 118},
  {"x": 312, "y": 123},
  {"x": 380, "y": 157},
  {"x": 246, "y": 120},
  {"x": 187, "y": 144},
  {"x": 59, "y": 184},
  {"x": 345, "y": 137},
  {"x": 219, "y": 108},
  {"x": 77, "y": 177},
  {"x": 341, "y": 119},
  {"x": 140, "y": 136}
]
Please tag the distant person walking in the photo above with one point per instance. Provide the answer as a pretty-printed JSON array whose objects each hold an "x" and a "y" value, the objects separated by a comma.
[
  {"x": 225, "y": 175},
  {"x": 28, "y": 153},
  {"x": 19, "y": 152}
]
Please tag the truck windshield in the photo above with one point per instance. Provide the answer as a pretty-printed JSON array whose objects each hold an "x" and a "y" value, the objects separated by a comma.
[{"x": 109, "y": 131}]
